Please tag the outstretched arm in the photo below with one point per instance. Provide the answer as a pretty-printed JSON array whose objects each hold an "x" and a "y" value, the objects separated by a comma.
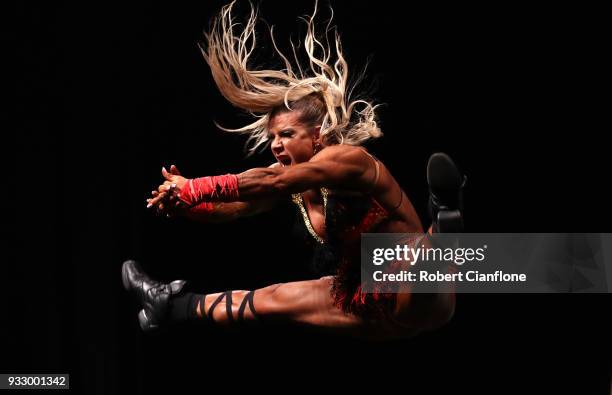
[
  {"x": 341, "y": 167},
  {"x": 226, "y": 212},
  {"x": 166, "y": 201}
]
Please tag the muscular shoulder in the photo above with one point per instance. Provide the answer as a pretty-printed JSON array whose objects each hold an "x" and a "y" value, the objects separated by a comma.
[{"x": 342, "y": 153}]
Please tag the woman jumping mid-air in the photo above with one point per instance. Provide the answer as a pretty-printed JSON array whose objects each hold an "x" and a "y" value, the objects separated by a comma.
[{"x": 339, "y": 189}]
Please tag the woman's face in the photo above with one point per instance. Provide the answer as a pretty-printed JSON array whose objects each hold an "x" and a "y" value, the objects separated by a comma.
[{"x": 292, "y": 141}]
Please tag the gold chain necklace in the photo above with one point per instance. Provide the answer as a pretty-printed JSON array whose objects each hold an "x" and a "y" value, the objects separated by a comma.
[{"x": 299, "y": 200}]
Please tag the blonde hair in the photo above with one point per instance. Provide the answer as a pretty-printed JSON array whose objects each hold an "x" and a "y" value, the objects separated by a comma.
[{"x": 264, "y": 92}]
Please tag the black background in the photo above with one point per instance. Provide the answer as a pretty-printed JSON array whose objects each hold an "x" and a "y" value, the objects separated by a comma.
[{"x": 106, "y": 93}]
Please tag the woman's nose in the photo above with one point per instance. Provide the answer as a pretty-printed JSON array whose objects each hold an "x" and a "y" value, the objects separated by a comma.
[{"x": 276, "y": 145}]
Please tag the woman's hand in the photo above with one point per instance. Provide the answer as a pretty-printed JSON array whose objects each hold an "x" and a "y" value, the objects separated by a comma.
[{"x": 166, "y": 199}]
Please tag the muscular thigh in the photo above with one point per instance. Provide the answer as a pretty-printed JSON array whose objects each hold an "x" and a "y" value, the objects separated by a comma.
[
  {"x": 301, "y": 301},
  {"x": 311, "y": 303}
]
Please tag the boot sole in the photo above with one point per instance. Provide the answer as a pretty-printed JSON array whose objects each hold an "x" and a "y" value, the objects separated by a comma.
[
  {"x": 124, "y": 275},
  {"x": 442, "y": 173}
]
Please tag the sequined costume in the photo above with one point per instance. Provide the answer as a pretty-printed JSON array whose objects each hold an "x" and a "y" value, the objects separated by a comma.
[{"x": 347, "y": 216}]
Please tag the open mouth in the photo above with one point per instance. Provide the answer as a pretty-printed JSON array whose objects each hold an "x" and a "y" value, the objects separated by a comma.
[{"x": 284, "y": 160}]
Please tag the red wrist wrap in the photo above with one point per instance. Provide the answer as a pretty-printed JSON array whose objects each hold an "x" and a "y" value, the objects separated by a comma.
[{"x": 210, "y": 189}]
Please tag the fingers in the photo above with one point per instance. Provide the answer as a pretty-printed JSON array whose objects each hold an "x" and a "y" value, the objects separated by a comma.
[
  {"x": 156, "y": 199},
  {"x": 154, "y": 194},
  {"x": 166, "y": 175},
  {"x": 160, "y": 204},
  {"x": 159, "y": 196},
  {"x": 174, "y": 197},
  {"x": 167, "y": 186},
  {"x": 174, "y": 170},
  {"x": 166, "y": 197}
]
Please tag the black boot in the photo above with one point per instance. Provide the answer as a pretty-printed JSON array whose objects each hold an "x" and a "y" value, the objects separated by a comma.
[
  {"x": 153, "y": 296},
  {"x": 445, "y": 194}
]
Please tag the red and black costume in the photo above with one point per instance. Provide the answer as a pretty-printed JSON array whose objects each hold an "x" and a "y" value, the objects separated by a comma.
[{"x": 347, "y": 216}]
